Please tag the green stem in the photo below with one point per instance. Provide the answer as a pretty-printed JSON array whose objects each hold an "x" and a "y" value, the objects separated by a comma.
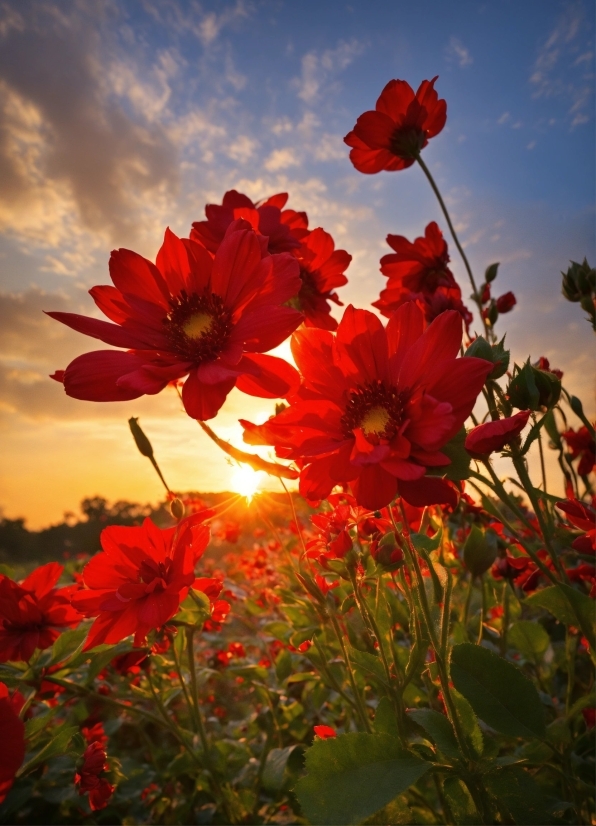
[
  {"x": 360, "y": 703},
  {"x": 505, "y": 619},
  {"x": 435, "y": 189},
  {"x": 468, "y": 602},
  {"x": 189, "y": 703}
]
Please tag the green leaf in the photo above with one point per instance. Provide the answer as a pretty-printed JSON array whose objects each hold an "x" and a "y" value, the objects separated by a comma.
[
  {"x": 583, "y": 608},
  {"x": 370, "y": 665},
  {"x": 491, "y": 272},
  {"x": 459, "y": 469},
  {"x": 274, "y": 772},
  {"x": 102, "y": 655},
  {"x": 552, "y": 599},
  {"x": 468, "y": 723},
  {"x": 194, "y": 610},
  {"x": 497, "y": 691},
  {"x": 68, "y": 644},
  {"x": 279, "y": 630},
  {"x": 353, "y": 776},
  {"x": 517, "y": 793},
  {"x": 283, "y": 665},
  {"x": 439, "y": 729},
  {"x": 569, "y": 606},
  {"x": 58, "y": 745},
  {"x": 479, "y": 552},
  {"x": 385, "y": 720},
  {"x": 460, "y": 802},
  {"x": 530, "y": 639}
]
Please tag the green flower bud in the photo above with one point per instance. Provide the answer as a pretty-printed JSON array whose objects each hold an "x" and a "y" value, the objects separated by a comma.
[
  {"x": 495, "y": 353},
  {"x": 533, "y": 389}
]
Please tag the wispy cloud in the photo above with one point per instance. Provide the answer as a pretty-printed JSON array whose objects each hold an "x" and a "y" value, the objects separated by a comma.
[
  {"x": 559, "y": 71},
  {"x": 458, "y": 53},
  {"x": 319, "y": 68}
]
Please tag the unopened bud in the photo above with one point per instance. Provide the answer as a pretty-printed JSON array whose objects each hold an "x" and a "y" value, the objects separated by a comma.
[
  {"x": 141, "y": 441},
  {"x": 533, "y": 389},
  {"x": 491, "y": 272},
  {"x": 177, "y": 509},
  {"x": 495, "y": 353}
]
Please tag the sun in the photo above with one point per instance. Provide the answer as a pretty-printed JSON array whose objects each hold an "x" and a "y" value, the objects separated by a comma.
[{"x": 246, "y": 481}]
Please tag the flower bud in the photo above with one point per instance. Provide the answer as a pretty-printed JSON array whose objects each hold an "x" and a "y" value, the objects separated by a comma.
[
  {"x": 579, "y": 280},
  {"x": 177, "y": 509},
  {"x": 533, "y": 389},
  {"x": 141, "y": 441},
  {"x": 491, "y": 272},
  {"x": 506, "y": 302},
  {"x": 495, "y": 353}
]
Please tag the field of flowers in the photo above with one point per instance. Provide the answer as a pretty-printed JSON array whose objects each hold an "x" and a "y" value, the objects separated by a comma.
[{"x": 409, "y": 639}]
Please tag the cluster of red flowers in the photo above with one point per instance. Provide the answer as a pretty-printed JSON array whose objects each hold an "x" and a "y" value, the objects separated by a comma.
[
  {"x": 34, "y": 613},
  {"x": 90, "y": 777}
]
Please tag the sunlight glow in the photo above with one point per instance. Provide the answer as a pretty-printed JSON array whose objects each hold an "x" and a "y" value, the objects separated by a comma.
[{"x": 246, "y": 481}]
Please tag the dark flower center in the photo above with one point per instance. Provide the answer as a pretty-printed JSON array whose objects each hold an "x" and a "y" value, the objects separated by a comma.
[
  {"x": 198, "y": 326},
  {"x": 150, "y": 570},
  {"x": 407, "y": 143},
  {"x": 377, "y": 408}
]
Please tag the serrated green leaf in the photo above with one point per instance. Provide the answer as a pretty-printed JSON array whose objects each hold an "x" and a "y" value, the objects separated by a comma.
[
  {"x": 283, "y": 665},
  {"x": 530, "y": 639},
  {"x": 459, "y": 469},
  {"x": 552, "y": 599},
  {"x": 352, "y": 776},
  {"x": 468, "y": 723},
  {"x": 460, "y": 802},
  {"x": 497, "y": 691},
  {"x": 439, "y": 728}
]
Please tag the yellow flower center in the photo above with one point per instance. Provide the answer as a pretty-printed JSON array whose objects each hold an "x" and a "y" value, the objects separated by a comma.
[
  {"x": 375, "y": 421},
  {"x": 197, "y": 325}
]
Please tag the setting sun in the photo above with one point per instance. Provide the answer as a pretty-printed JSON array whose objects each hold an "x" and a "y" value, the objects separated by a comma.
[{"x": 246, "y": 481}]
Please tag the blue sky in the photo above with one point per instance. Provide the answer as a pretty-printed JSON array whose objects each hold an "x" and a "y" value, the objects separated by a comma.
[{"x": 119, "y": 118}]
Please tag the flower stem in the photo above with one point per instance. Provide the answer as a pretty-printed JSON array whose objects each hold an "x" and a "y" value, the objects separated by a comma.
[{"x": 435, "y": 189}]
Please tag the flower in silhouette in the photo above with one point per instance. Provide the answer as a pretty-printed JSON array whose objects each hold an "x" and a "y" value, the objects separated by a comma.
[
  {"x": 191, "y": 314},
  {"x": 283, "y": 227},
  {"x": 322, "y": 269},
  {"x": 34, "y": 613},
  {"x": 391, "y": 136},
  {"x": 89, "y": 777},
  {"x": 581, "y": 444},
  {"x": 139, "y": 579},
  {"x": 13, "y": 738},
  {"x": 376, "y": 406}
]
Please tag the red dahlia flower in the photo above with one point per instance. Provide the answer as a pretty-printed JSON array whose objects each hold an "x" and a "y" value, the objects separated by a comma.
[
  {"x": 139, "y": 579},
  {"x": 34, "y": 613},
  {"x": 492, "y": 436},
  {"x": 283, "y": 227},
  {"x": 208, "y": 318},
  {"x": 89, "y": 778},
  {"x": 376, "y": 406},
  {"x": 392, "y": 136},
  {"x": 322, "y": 269},
  {"x": 582, "y": 444},
  {"x": 13, "y": 739}
]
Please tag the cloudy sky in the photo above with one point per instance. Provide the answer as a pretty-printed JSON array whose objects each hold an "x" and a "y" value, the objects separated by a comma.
[{"x": 121, "y": 117}]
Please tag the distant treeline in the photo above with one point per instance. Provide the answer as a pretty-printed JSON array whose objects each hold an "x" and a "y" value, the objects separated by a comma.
[{"x": 79, "y": 534}]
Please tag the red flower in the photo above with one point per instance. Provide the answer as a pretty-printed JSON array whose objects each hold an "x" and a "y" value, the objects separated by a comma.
[
  {"x": 139, "y": 579},
  {"x": 376, "y": 406},
  {"x": 13, "y": 739},
  {"x": 392, "y": 136},
  {"x": 506, "y": 302},
  {"x": 34, "y": 613},
  {"x": 544, "y": 364},
  {"x": 419, "y": 266},
  {"x": 418, "y": 271},
  {"x": 321, "y": 270},
  {"x": 324, "y": 732},
  {"x": 582, "y": 516},
  {"x": 192, "y": 314},
  {"x": 89, "y": 778},
  {"x": 283, "y": 228},
  {"x": 492, "y": 436},
  {"x": 95, "y": 734},
  {"x": 582, "y": 444}
]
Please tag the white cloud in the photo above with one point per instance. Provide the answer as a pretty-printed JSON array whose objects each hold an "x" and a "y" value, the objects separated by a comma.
[
  {"x": 330, "y": 148},
  {"x": 456, "y": 51},
  {"x": 504, "y": 118},
  {"x": 281, "y": 159},
  {"x": 243, "y": 148},
  {"x": 319, "y": 67}
]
